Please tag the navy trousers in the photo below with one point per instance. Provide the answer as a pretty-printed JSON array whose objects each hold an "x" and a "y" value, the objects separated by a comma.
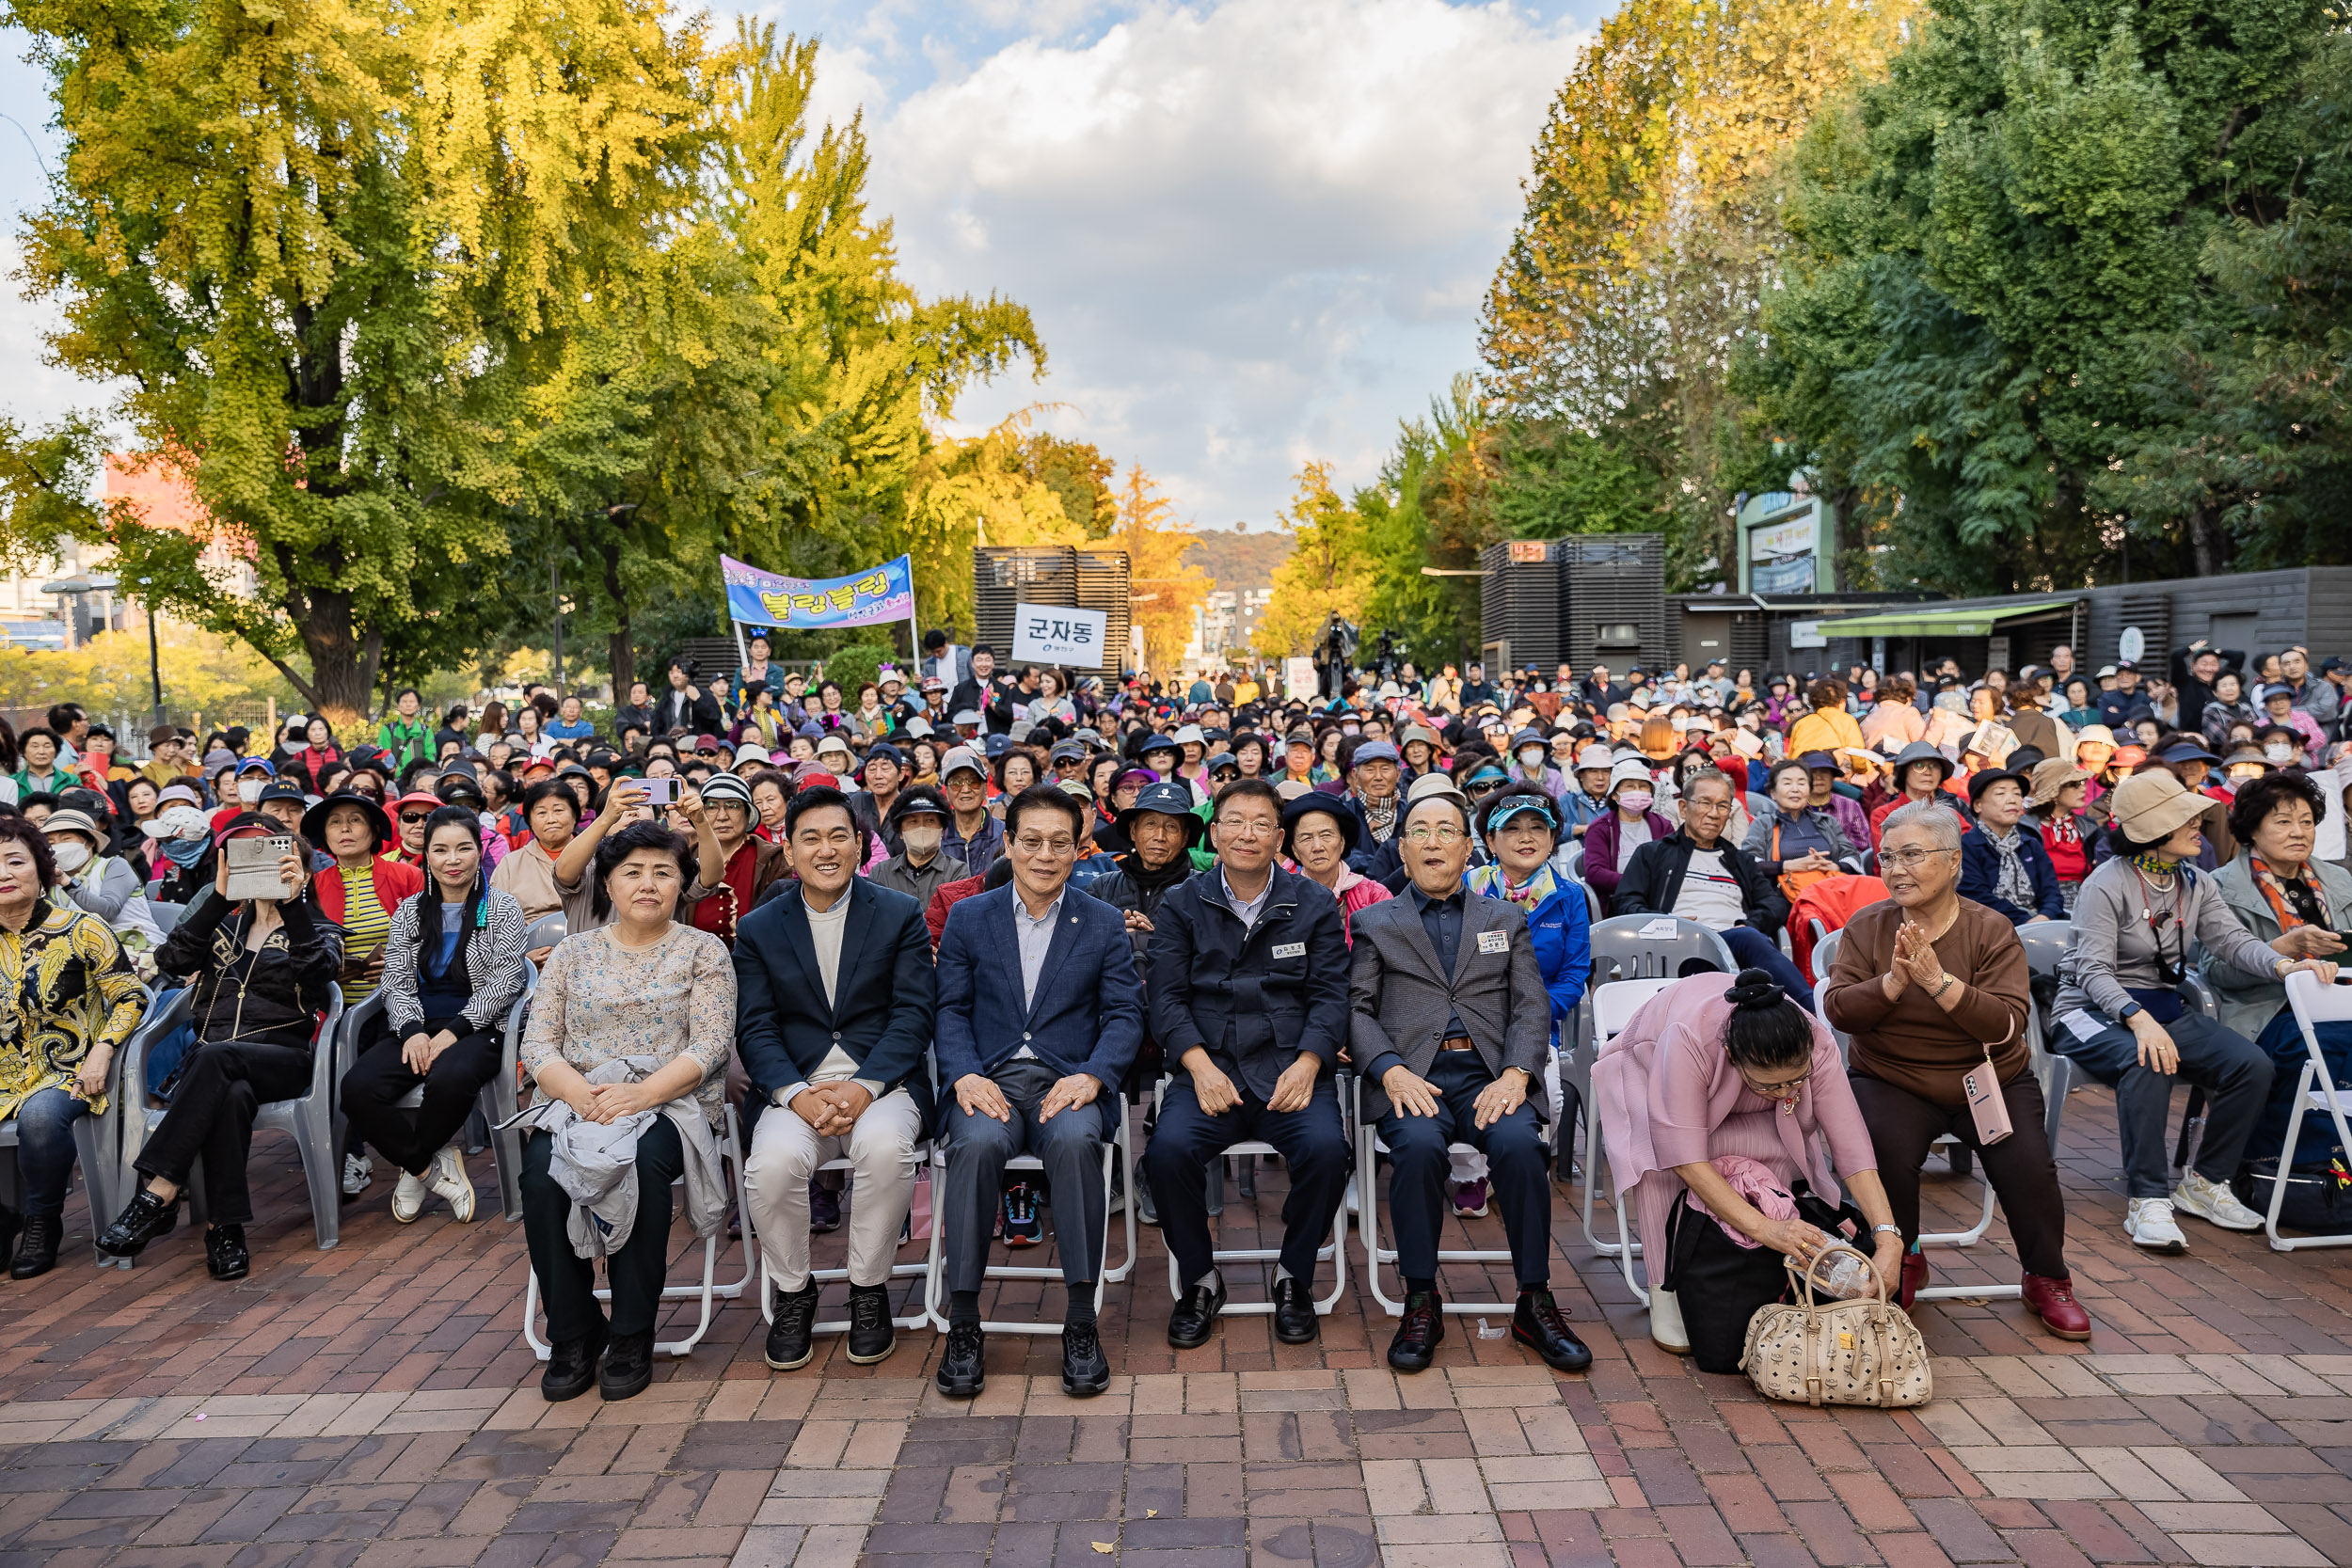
[
  {"x": 1312, "y": 1142},
  {"x": 1516, "y": 1163}
]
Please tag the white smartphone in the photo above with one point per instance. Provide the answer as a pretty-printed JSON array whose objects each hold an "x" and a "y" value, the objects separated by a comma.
[
  {"x": 661, "y": 792},
  {"x": 253, "y": 866}
]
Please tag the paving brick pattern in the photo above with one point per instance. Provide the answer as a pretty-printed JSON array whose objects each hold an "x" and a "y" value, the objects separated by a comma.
[{"x": 374, "y": 1404}]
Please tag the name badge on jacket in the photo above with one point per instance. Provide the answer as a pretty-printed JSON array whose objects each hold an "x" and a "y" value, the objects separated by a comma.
[
  {"x": 1494, "y": 942},
  {"x": 1290, "y": 949}
]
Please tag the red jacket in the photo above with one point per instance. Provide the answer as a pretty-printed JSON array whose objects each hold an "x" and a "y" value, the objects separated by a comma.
[{"x": 395, "y": 882}]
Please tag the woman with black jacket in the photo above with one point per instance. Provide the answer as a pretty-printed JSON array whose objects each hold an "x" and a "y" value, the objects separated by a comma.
[
  {"x": 263, "y": 972},
  {"x": 453, "y": 966}
]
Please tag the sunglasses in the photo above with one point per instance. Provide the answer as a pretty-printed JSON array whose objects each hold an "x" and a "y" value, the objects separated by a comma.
[{"x": 415, "y": 816}]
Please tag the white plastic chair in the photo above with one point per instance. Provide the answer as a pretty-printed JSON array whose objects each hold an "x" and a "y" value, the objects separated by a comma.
[
  {"x": 1369, "y": 1147},
  {"x": 310, "y": 1118},
  {"x": 1824, "y": 950},
  {"x": 1117, "y": 1154},
  {"x": 2313, "y": 1005},
  {"x": 97, "y": 1144},
  {"x": 1609, "y": 1008},
  {"x": 1334, "y": 1252},
  {"x": 708, "y": 1291}
]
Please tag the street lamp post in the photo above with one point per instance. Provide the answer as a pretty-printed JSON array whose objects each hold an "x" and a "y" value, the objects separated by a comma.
[{"x": 154, "y": 658}]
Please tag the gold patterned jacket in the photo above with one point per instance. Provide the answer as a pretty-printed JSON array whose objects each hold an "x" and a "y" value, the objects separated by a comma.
[{"x": 65, "y": 986}]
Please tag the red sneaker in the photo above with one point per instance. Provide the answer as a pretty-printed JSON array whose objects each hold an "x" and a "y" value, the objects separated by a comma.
[
  {"x": 2053, "y": 1301},
  {"x": 1915, "y": 1277}
]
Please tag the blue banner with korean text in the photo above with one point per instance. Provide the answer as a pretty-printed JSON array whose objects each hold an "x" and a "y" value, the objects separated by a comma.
[{"x": 878, "y": 595}]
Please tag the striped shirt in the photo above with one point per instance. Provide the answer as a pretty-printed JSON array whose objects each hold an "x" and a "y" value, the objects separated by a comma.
[{"x": 366, "y": 922}]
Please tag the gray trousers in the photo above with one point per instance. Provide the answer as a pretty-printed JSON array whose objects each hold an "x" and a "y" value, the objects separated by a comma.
[{"x": 1070, "y": 1148}]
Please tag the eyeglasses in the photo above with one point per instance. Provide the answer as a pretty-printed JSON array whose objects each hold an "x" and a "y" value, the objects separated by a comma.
[
  {"x": 1423, "y": 836},
  {"x": 1781, "y": 1090},
  {"x": 1030, "y": 844},
  {"x": 1903, "y": 859}
]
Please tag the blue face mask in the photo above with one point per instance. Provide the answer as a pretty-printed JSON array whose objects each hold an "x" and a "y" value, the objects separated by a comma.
[{"x": 184, "y": 853}]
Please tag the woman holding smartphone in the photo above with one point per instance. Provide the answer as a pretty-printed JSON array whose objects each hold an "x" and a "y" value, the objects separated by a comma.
[{"x": 263, "y": 971}]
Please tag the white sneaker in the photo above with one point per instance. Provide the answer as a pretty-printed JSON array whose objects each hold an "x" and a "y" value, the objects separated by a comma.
[
  {"x": 1665, "y": 1323},
  {"x": 409, "y": 1195},
  {"x": 2148, "y": 1221},
  {"x": 359, "y": 1171},
  {"x": 2213, "y": 1203},
  {"x": 448, "y": 1178}
]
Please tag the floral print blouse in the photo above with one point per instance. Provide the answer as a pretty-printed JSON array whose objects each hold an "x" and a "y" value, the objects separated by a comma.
[
  {"x": 599, "y": 1000},
  {"x": 65, "y": 986}
]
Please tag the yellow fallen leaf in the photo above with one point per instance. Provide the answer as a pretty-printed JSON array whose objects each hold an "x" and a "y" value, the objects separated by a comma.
[
  {"x": 1105, "y": 1547},
  {"x": 1150, "y": 1513}
]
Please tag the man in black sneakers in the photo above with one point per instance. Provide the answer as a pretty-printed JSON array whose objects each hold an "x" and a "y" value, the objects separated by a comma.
[
  {"x": 834, "y": 1002},
  {"x": 1248, "y": 996},
  {"x": 1452, "y": 1021},
  {"x": 1039, "y": 1015}
]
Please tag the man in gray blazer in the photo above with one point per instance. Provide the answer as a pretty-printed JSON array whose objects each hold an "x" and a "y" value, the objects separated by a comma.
[{"x": 1452, "y": 1021}]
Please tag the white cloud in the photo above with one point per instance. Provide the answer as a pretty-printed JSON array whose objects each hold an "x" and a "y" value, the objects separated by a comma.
[{"x": 1251, "y": 233}]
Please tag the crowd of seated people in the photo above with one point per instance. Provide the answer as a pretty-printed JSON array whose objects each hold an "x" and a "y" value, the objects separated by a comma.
[{"x": 988, "y": 913}]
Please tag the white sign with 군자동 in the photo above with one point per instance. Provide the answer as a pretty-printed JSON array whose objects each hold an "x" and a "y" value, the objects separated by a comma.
[{"x": 1057, "y": 634}]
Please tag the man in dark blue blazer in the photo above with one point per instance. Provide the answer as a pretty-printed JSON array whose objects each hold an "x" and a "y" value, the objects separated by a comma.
[
  {"x": 833, "y": 995},
  {"x": 1248, "y": 994},
  {"x": 1040, "y": 1017}
]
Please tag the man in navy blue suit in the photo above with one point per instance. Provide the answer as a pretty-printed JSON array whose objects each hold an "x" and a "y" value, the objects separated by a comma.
[
  {"x": 833, "y": 997},
  {"x": 1040, "y": 1017}
]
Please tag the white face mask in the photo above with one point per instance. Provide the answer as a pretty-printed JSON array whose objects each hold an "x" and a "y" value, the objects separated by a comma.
[
  {"x": 249, "y": 789},
  {"x": 2278, "y": 752},
  {"x": 1532, "y": 758},
  {"x": 70, "y": 855}
]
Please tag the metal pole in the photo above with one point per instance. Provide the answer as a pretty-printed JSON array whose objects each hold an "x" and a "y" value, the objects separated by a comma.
[{"x": 155, "y": 663}]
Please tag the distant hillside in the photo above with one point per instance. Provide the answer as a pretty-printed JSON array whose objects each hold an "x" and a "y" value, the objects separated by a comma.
[{"x": 1239, "y": 561}]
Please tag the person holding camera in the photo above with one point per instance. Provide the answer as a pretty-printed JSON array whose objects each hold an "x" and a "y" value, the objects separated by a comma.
[{"x": 263, "y": 972}]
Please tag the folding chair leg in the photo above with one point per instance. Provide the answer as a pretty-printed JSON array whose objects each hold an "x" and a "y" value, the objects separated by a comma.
[{"x": 2304, "y": 1093}]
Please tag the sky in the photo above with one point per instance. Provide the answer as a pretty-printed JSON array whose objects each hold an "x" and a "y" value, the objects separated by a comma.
[{"x": 1252, "y": 233}]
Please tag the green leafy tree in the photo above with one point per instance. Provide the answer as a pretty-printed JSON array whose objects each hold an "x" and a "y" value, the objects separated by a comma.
[
  {"x": 2006, "y": 306},
  {"x": 323, "y": 247}
]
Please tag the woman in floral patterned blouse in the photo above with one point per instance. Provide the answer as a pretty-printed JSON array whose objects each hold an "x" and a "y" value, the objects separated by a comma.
[
  {"x": 641, "y": 987},
  {"x": 67, "y": 1000}
]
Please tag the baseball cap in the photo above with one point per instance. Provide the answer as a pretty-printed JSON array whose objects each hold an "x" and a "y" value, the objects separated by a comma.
[
  {"x": 282, "y": 789},
  {"x": 748, "y": 752},
  {"x": 1594, "y": 756},
  {"x": 962, "y": 757},
  {"x": 966, "y": 715}
]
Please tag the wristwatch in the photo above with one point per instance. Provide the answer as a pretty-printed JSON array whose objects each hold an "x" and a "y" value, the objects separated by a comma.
[
  {"x": 2131, "y": 1010},
  {"x": 1894, "y": 1231}
]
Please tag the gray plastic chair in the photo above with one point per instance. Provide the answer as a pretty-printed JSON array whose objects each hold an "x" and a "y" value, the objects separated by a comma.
[
  {"x": 1623, "y": 950},
  {"x": 96, "y": 1145},
  {"x": 500, "y": 1099},
  {"x": 311, "y": 1119},
  {"x": 545, "y": 931},
  {"x": 1824, "y": 952}
]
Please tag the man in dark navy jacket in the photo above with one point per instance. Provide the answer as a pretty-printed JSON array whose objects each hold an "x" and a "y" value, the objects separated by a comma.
[
  {"x": 834, "y": 996},
  {"x": 1248, "y": 989},
  {"x": 1040, "y": 1017}
]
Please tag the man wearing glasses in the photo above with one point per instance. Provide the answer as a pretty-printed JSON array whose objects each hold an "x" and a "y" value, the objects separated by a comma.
[
  {"x": 1040, "y": 1017},
  {"x": 1700, "y": 875},
  {"x": 1247, "y": 978},
  {"x": 1452, "y": 1021}
]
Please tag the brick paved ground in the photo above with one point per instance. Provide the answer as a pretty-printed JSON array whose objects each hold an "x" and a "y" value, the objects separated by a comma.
[{"x": 375, "y": 1404}]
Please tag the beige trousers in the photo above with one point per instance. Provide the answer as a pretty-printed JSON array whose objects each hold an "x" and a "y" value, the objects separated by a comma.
[{"x": 786, "y": 1152}]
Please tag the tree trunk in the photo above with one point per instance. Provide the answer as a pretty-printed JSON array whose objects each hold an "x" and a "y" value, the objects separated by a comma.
[
  {"x": 342, "y": 666},
  {"x": 620, "y": 654},
  {"x": 2206, "y": 540}
]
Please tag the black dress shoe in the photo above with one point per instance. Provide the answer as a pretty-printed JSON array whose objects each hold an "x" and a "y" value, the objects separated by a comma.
[
  {"x": 872, "y": 1337},
  {"x": 1543, "y": 1327},
  {"x": 1419, "y": 1334},
  {"x": 1085, "y": 1371},
  {"x": 964, "y": 1365},
  {"x": 628, "y": 1369},
  {"x": 1294, "y": 1321},
  {"x": 36, "y": 1249},
  {"x": 1194, "y": 1318},
  {"x": 792, "y": 1329},
  {"x": 144, "y": 1219},
  {"x": 225, "y": 1253},
  {"x": 572, "y": 1367}
]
